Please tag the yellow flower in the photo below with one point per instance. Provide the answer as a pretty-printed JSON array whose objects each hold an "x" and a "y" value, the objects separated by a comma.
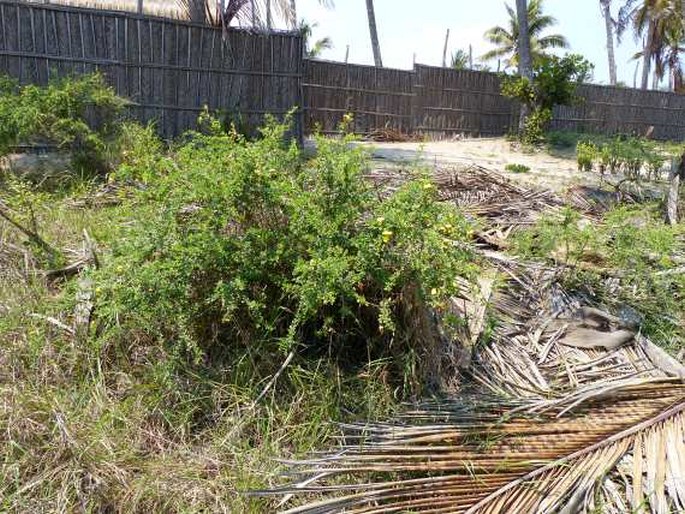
[
  {"x": 380, "y": 219},
  {"x": 387, "y": 236}
]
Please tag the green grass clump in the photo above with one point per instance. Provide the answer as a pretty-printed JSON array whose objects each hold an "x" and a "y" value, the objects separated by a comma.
[{"x": 517, "y": 168}]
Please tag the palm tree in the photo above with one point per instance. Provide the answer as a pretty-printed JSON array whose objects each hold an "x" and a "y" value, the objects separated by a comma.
[
  {"x": 525, "y": 60},
  {"x": 375, "y": 45},
  {"x": 609, "y": 25},
  {"x": 255, "y": 13},
  {"x": 660, "y": 25},
  {"x": 507, "y": 39},
  {"x": 288, "y": 9},
  {"x": 241, "y": 12},
  {"x": 524, "y": 19},
  {"x": 645, "y": 21},
  {"x": 314, "y": 50},
  {"x": 460, "y": 60}
]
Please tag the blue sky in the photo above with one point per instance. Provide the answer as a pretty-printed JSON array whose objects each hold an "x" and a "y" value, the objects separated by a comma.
[{"x": 408, "y": 27}]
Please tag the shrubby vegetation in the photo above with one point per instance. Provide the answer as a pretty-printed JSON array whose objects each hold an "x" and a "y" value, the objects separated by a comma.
[
  {"x": 218, "y": 256},
  {"x": 249, "y": 244},
  {"x": 79, "y": 115},
  {"x": 554, "y": 83},
  {"x": 634, "y": 157}
]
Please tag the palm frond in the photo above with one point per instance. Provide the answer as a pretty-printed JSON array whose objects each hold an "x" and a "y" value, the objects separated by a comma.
[
  {"x": 479, "y": 456},
  {"x": 552, "y": 41},
  {"x": 541, "y": 424}
]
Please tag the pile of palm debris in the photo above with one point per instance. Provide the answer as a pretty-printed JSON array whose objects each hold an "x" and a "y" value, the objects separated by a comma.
[
  {"x": 390, "y": 135},
  {"x": 479, "y": 191},
  {"x": 567, "y": 408}
]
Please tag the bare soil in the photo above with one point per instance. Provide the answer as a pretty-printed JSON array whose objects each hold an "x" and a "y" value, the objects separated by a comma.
[{"x": 556, "y": 172}]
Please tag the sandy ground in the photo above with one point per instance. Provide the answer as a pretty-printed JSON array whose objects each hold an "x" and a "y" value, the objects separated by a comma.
[{"x": 555, "y": 172}]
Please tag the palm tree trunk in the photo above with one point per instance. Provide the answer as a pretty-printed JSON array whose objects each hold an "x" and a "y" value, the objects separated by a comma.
[
  {"x": 647, "y": 59},
  {"x": 196, "y": 11},
  {"x": 293, "y": 15},
  {"x": 609, "y": 24},
  {"x": 525, "y": 59},
  {"x": 374, "y": 34},
  {"x": 269, "y": 21}
]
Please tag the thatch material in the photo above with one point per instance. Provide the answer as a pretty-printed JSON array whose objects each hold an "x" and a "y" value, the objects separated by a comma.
[{"x": 539, "y": 426}]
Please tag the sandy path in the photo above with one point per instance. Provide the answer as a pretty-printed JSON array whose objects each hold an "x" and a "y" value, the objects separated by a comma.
[{"x": 545, "y": 170}]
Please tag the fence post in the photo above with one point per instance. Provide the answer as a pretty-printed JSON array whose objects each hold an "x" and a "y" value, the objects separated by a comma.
[{"x": 140, "y": 6}]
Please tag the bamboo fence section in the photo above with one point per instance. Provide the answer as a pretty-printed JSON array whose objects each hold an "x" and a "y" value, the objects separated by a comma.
[
  {"x": 376, "y": 97},
  {"x": 170, "y": 69},
  {"x": 460, "y": 102},
  {"x": 615, "y": 110},
  {"x": 443, "y": 103}
]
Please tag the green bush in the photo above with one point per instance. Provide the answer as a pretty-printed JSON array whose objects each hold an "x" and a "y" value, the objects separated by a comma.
[
  {"x": 80, "y": 115},
  {"x": 243, "y": 243},
  {"x": 554, "y": 83}
]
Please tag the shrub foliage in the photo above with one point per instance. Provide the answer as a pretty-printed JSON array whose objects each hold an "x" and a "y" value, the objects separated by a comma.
[
  {"x": 79, "y": 115},
  {"x": 554, "y": 83},
  {"x": 247, "y": 243}
]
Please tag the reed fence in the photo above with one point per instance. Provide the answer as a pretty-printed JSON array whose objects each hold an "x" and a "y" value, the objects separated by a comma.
[
  {"x": 442, "y": 103},
  {"x": 169, "y": 69}
]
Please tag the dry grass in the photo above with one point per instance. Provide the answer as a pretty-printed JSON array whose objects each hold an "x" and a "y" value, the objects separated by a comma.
[{"x": 108, "y": 424}]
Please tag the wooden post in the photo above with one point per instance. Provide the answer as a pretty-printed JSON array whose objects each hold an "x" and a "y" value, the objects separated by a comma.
[
  {"x": 140, "y": 6},
  {"x": 347, "y": 53},
  {"x": 444, "y": 49},
  {"x": 677, "y": 170}
]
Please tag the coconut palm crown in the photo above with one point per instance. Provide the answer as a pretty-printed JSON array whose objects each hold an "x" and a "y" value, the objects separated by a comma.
[{"x": 505, "y": 39}]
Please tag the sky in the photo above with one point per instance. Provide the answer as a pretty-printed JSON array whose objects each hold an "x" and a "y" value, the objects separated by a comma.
[{"x": 408, "y": 27}]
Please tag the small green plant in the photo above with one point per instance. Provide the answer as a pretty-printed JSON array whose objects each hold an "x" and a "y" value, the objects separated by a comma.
[
  {"x": 517, "y": 168},
  {"x": 586, "y": 154}
]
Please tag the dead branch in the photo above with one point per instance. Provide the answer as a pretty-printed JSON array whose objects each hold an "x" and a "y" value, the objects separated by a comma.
[{"x": 32, "y": 235}]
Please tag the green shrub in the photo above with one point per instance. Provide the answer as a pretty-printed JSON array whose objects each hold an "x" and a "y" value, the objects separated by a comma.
[
  {"x": 536, "y": 126},
  {"x": 243, "y": 243},
  {"x": 80, "y": 115},
  {"x": 586, "y": 153},
  {"x": 554, "y": 83},
  {"x": 517, "y": 168}
]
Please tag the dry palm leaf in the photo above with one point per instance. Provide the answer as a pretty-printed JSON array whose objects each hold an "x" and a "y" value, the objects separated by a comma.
[
  {"x": 486, "y": 456},
  {"x": 539, "y": 426}
]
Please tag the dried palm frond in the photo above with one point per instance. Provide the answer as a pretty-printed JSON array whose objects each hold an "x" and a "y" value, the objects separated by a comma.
[
  {"x": 484, "y": 455},
  {"x": 478, "y": 191},
  {"x": 539, "y": 425}
]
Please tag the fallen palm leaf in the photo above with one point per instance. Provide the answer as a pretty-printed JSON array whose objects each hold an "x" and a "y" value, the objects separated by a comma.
[{"x": 542, "y": 425}]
